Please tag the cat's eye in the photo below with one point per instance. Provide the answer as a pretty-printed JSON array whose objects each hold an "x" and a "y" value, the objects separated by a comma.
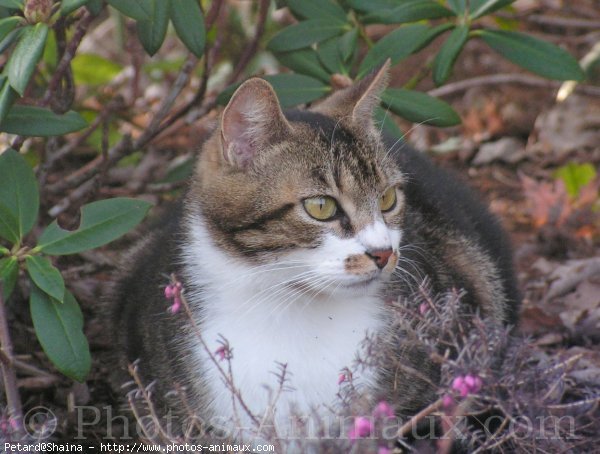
[
  {"x": 320, "y": 208},
  {"x": 387, "y": 201}
]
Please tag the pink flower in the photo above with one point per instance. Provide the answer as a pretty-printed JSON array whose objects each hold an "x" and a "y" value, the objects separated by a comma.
[
  {"x": 383, "y": 410},
  {"x": 423, "y": 308},
  {"x": 467, "y": 385},
  {"x": 384, "y": 450},
  {"x": 170, "y": 291},
  {"x": 223, "y": 352},
  {"x": 341, "y": 379},
  {"x": 173, "y": 292},
  {"x": 176, "y": 306},
  {"x": 362, "y": 428},
  {"x": 447, "y": 401}
]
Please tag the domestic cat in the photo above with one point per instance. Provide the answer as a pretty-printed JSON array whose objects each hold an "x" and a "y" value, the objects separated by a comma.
[{"x": 294, "y": 231}]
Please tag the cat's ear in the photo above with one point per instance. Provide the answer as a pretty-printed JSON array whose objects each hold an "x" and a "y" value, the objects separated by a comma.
[
  {"x": 357, "y": 103},
  {"x": 252, "y": 120}
]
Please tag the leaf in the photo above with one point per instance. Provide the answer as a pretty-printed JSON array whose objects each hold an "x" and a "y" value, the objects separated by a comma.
[
  {"x": 576, "y": 176},
  {"x": 92, "y": 69},
  {"x": 330, "y": 56},
  {"x": 304, "y": 61},
  {"x": 419, "y": 107},
  {"x": 411, "y": 37},
  {"x": 26, "y": 55},
  {"x": 481, "y": 7},
  {"x": 317, "y": 9},
  {"x": 8, "y": 24},
  {"x": 188, "y": 21},
  {"x": 39, "y": 122},
  {"x": 95, "y": 6},
  {"x": 19, "y": 197},
  {"x": 10, "y": 38},
  {"x": 294, "y": 89},
  {"x": 101, "y": 223},
  {"x": 59, "y": 328},
  {"x": 388, "y": 125},
  {"x": 46, "y": 276},
  {"x": 367, "y": 6},
  {"x": 305, "y": 33},
  {"x": 152, "y": 32},
  {"x": 7, "y": 97},
  {"x": 13, "y": 4},
  {"x": 444, "y": 60},
  {"x": 136, "y": 9},
  {"x": 348, "y": 44},
  {"x": 9, "y": 271},
  {"x": 458, "y": 6},
  {"x": 291, "y": 89},
  {"x": 68, "y": 6},
  {"x": 533, "y": 54},
  {"x": 409, "y": 11}
]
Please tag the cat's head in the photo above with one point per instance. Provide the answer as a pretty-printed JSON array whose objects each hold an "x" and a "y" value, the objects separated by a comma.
[{"x": 315, "y": 194}]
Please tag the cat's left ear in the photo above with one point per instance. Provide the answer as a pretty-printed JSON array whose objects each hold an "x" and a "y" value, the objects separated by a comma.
[
  {"x": 356, "y": 104},
  {"x": 251, "y": 121}
]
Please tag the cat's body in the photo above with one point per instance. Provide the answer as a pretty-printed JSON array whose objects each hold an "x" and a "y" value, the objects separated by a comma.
[{"x": 272, "y": 267}]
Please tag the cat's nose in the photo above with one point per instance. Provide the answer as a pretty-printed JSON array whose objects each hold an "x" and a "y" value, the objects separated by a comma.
[{"x": 380, "y": 256}]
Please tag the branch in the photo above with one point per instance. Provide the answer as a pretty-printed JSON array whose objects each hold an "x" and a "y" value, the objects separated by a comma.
[
  {"x": 252, "y": 46},
  {"x": 494, "y": 79},
  {"x": 9, "y": 375}
]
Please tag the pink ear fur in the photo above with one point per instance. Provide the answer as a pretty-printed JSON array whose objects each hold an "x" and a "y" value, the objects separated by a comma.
[{"x": 251, "y": 120}]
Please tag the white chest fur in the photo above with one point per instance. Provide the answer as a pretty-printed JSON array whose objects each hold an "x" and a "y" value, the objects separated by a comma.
[{"x": 267, "y": 322}]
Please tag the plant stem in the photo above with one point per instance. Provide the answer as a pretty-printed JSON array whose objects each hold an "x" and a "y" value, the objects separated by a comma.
[{"x": 9, "y": 375}]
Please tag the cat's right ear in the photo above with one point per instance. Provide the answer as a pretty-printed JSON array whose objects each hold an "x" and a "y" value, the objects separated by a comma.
[{"x": 252, "y": 120}]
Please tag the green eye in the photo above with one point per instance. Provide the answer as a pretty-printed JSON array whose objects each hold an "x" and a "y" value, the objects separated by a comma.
[
  {"x": 388, "y": 200},
  {"x": 320, "y": 208}
]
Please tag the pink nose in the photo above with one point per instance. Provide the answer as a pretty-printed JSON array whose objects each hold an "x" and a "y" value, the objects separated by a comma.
[{"x": 380, "y": 257}]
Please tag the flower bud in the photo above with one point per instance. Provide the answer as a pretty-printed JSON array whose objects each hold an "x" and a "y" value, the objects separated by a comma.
[{"x": 37, "y": 11}]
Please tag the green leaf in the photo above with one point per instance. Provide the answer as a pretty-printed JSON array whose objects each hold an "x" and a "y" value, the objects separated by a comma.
[
  {"x": 419, "y": 107},
  {"x": 317, "y": 9},
  {"x": 533, "y": 54},
  {"x": 7, "y": 97},
  {"x": 291, "y": 89},
  {"x": 11, "y": 38},
  {"x": 294, "y": 89},
  {"x": 304, "y": 61},
  {"x": 367, "y": 6},
  {"x": 411, "y": 37},
  {"x": 330, "y": 56},
  {"x": 46, "y": 276},
  {"x": 59, "y": 328},
  {"x": 388, "y": 125},
  {"x": 101, "y": 223},
  {"x": 188, "y": 21},
  {"x": 348, "y": 44},
  {"x": 39, "y": 122},
  {"x": 9, "y": 271},
  {"x": 92, "y": 69},
  {"x": 576, "y": 176},
  {"x": 68, "y": 6},
  {"x": 95, "y": 6},
  {"x": 152, "y": 32},
  {"x": 481, "y": 7},
  {"x": 444, "y": 60},
  {"x": 305, "y": 33},
  {"x": 458, "y": 6},
  {"x": 27, "y": 54},
  {"x": 8, "y": 24},
  {"x": 19, "y": 196},
  {"x": 13, "y": 4},
  {"x": 139, "y": 10},
  {"x": 409, "y": 11}
]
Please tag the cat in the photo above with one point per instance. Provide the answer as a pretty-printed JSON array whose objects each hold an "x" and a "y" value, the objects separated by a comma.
[{"x": 294, "y": 231}]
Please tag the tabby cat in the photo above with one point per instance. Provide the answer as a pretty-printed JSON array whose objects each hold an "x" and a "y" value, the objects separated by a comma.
[{"x": 295, "y": 230}]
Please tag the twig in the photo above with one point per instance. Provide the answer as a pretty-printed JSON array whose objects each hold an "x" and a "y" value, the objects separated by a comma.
[
  {"x": 9, "y": 375},
  {"x": 408, "y": 425},
  {"x": 494, "y": 79},
  {"x": 252, "y": 46},
  {"x": 566, "y": 22}
]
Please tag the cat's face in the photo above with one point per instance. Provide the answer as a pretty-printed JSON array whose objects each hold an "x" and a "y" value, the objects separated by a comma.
[{"x": 315, "y": 200}]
